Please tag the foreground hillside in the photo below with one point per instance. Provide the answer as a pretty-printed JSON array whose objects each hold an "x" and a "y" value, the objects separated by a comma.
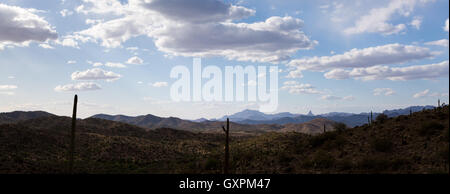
[{"x": 418, "y": 143}]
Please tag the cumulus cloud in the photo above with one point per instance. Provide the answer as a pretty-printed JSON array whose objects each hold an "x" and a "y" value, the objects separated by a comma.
[
  {"x": 65, "y": 12},
  {"x": 416, "y": 22},
  {"x": 95, "y": 74},
  {"x": 135, "y": 60},
  {"x": 427, "y": 93},
  {"x": 430, "y": 71},
  {"x": 21, "y": 26},
  {"x": 45, "y": 46},
  {"x": 7, "y": 89},
  {"x": 378, "y": 19},
  {"x": 421, "y": 94},
  {"x": 84, "y": 86},
  {"x": 446, "y": 25},
  {"x": 109, "y": 64},
  {"x": 442, "y": 42},
  {"x": 197, "y": 11},
  {"x": 160, "y": 84},
  {"x": 293, "y": 87},
  {"x": 71, "y": 62},
  {"x": 201, "y": 28},
  {"x": 383, "y": 91},
  {"x": 332, "y": 98},
  {"x": 100, "y": 7},
  {"x": 367, "y": 57},
  {"x": 349, "y": 98}
]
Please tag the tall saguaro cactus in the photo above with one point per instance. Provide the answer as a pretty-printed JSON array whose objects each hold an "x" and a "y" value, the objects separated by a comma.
[
  {"x": 371, "y": 117},
  {"x": 72, "y": 134},
  {"x": 227, "y": 149}
]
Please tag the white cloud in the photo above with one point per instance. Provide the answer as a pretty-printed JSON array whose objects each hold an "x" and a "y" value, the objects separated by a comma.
[
  {"x": 101, "y": 7},
  {"x": 71, "y": 62},
  {"x": 330, "y": 97},
  {"x": 68, "y": 41},
  {"x": 446, "y": 25},
  {"x": 333, "y": 98},
  {"x": 430, "y": 71},
  {"x": 84, "y": 86},
  {"x": 442, "y": 42},
  {"x": 367, "y": 57},
  {"x": 197, "y": 11},
  {"x": 421, "y": 94},
  {"x": 378, "y": 19},
  {"x": 348, "y": 98},
  {"x": 427, "y": 93},
  {"x": 160, "y": 84},
  {"x": 21, "y": 26},
  {"x": 95, "y": 74},
  {"x": 8, "y": 87},
  {"x": 383, "y": 91},
  {"x": 93, "y": 21},
  {"x": 181, "y": 28},
  {"x": 65, "y": 12},
  {"x": 11, "y": 77},
  {"x": 109, "y": 64},
  {"x": 135, "y": 60},
  {"x": 416, "y": 22},
  {"x": 45, "y": 46},
  {"x": 293, "y": 87}
]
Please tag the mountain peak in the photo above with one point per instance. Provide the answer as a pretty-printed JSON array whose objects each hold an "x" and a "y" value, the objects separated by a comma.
[{"x": 310, "y": 113}]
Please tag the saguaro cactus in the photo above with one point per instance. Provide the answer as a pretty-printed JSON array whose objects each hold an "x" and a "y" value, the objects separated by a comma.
[
  {"x": 227, "y": 151},
  {"x": 368, "y": 120},
  {"x": 72, "y": 135},
  {"x": 324, "y": 128},
  {"x": 371, "y": 117}
]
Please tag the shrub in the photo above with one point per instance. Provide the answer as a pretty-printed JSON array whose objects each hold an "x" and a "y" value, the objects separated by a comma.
[
  {"x": 340, "y": 126},
  {"x": 318, "y": 140},
  {"x": 374, "y": 164},
  {"x": 382, "y": 145},
  {"x": 323, "y": 160},
  {"x": 212, "y": 164},
  {"x": 430, "y": 128},
  {"x": 381, "y": 118}
]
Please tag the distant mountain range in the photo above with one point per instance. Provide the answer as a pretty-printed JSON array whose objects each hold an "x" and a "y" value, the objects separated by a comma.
[
  {"x": 350, "y": 119},
  {"x": 247, "y": 121},
  {"x": 17, "y": 116}
]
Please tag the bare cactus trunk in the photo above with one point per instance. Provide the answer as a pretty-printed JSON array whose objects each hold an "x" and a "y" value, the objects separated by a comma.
[
  {"x": 227, "y": 151},
  {"x": 72, "y": 135}
]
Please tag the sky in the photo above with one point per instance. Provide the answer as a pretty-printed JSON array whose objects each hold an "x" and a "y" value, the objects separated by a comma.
[{"x": 117, "y": 55}]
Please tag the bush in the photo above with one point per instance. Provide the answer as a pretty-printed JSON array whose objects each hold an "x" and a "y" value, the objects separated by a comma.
[
  {"x": 381, "y": 118},
  {"x": 323, "y": 160},
  {"x": 382, "y": 145},
  {"x": 340, "y": 126},
  {"x": 430, "y": 128},
  {"x": 374, "y": 164},
  {"x": 318, "y": 140},
  {"x": 212, "y": 164}
]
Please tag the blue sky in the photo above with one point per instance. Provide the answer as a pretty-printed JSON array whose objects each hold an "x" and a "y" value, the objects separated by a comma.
[{"x": 345, "y": 56}]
